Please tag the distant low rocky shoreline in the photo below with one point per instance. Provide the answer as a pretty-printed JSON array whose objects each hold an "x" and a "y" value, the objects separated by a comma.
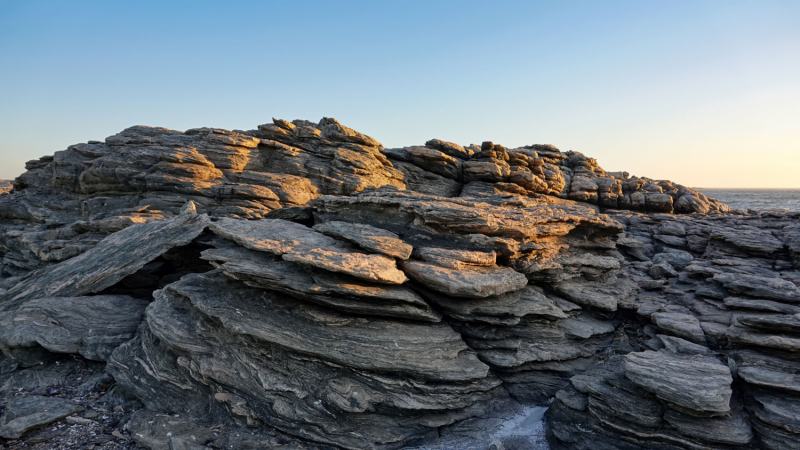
[
  {"x": 757, "y": 200},
  {"x": 301, "y": 286}
]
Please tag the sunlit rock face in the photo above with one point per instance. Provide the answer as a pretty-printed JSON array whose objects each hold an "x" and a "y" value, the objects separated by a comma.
[{"x": 301, "y": 278}]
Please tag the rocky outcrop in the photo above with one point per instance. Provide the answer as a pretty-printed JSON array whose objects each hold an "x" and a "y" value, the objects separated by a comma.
[
  {"x": 91, "y": 326},
  {"x": 302, "y": 278},
  {"x": 490, "y": 169},
  {"x": 66, "y": 203},
  {"x": 717, "y": 349}
]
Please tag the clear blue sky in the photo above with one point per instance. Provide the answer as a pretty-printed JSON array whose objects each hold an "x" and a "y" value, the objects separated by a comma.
[{"x": 706, "y": 93}]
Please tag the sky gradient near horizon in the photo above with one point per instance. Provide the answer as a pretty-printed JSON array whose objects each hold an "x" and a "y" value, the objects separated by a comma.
[{"x": 703, "y": 93}]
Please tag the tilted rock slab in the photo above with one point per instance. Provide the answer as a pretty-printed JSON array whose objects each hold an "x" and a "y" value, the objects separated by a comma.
[
  {"x": 306, "y": 370},
  {"x": 26, "y": 413},
  {"x": 114, "y": 258},
  {"x": 698, "y": 383},
  {"x": 90, "y": 326}
]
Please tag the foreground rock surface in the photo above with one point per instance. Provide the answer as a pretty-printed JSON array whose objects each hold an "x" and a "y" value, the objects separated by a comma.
[
  {"x": 300, "y": 286},
  {"x": 24, "y": 414}
]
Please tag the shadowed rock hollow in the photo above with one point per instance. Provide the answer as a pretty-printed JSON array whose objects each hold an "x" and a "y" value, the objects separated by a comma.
[{"x": 303, "y": 279}]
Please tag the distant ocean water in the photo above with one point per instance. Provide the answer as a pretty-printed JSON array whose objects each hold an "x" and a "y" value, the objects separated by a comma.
[{"x": 757, "y": 199}]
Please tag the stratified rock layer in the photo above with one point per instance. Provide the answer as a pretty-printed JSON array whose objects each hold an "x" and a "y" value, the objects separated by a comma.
[
  {"x": 715, "y": 364},
  {"x": 301, "y": 277}
]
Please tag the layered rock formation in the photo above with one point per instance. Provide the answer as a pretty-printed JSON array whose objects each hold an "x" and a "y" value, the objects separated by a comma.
[
  {"x": 715, "y": 363},
  {"x": 302, "y": 278}
]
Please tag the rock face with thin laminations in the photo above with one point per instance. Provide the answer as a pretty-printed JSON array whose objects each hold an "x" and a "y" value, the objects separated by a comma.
[{"x": 298, "y": 285}]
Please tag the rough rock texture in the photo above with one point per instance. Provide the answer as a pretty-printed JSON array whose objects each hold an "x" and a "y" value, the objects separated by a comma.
[
  {"x": 492, "y": 169},
  {"x": 24, "y": 414},
  {"x": 301, "y": 279},
  {"x": 165, "y": 432},
  {"x": 112, "y": 259},
  {"x": 91, "y": 326},
  {"x": 735, "y": 385}
]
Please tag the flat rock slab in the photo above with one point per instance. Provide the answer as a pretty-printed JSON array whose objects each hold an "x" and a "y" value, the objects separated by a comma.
[
  {"x": 680, "y": 346},
  {"x": 762, "y": 287},
  {"x": 733, "y": 430},
  {"x": 590, "y": 293},
  {"x": 682, "y": 325},
  {"x": 372, "y": 239},
  {"x": 26, "y": 413},
  {"x": 92, "y": 326},
  {"x": 42, "y": 375},
  {"x": 744, "y": 335},
  {"x": 775, "y": 379},
  {"x": 464, "y": 216},
  {"x": 340, "y": 292},
  {"x": 375, "y": 268},
  {"x": 761, "y": 305},
  {"x": 539, "y": 341},
  {"x": 478, "y": 282},
  {"x": 778, "y": 410},
  {"x": 274, "y": 236},
  {"x": 431, "y": 351},
  {"x": 456, "y": 259},
  {"x": 699, "y": 383},
  {"x": 759, "y": 242},
  {"x": 773, "y": 323},
  {"x": 111, "y": 260},
  {"x": 506, "y": 309}
]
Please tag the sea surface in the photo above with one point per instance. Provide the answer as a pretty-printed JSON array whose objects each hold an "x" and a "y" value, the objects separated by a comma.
[{"x": 757, "y": 199}]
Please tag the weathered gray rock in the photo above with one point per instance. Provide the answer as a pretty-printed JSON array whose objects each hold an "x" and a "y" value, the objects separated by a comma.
[
  {"x": 42, "y": 375},
  {"x": 287, "y": 365},
  {"x": 680, "y": 346},
  {"x": 273, "y": 236},
  {"x": 537, "y": 341},
  {"x": 594, "y": 294},
  {"x": 675, "y": 258},
  {"x": 369, "y": 238},
  {"x": 340, "y": 292},
  {"x": 114, "y": 258},
  {"x": 372, "y": 344},
  {"x": 733, "y": 430},
  {"x": 375, "y": 268},
  {"x": 762, "y": 287},
  {"x": 697, "y": 383},
  {"x": 779, "y": 411},
  {"x": 157, "y": 431},
  {"x": 766, "y": 377},
  {"x": 298, "y": 330},
  {"x": 476, "y": 282},
  {"x": 746, "y": 336},
  {"x": 26, "y": 413},
  {"x": 761, "y": 305},
  {"x": 91, "y": 326},
  {"x": 189, "y": 209},
  {"x": 682, "y": 325},
  {"x": 506, "y": 309},
  {"x": 456, "y": 259},
  {"x": 773, "y": 323},
  {"x": 662, "y": 271}
]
